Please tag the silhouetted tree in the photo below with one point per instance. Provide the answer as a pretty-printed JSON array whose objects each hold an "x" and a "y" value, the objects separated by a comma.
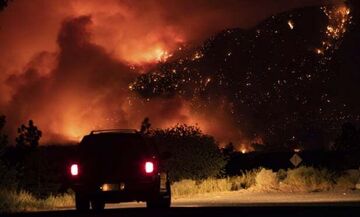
[
  {"x": 228, "y": 150},
  {"x": 194, "y": 154},
  {"x": 145, "y": 126},
  {"x": 349, "y": 138},
  {"x": 8, "y": 172},
  {"x": 29, "y": 136},
  {"x": 3, "y": 137},
  {"x": 3, "y": 4}
]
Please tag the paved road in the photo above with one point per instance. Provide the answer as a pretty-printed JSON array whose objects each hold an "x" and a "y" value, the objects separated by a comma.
[{"x": 235, "y": 204}]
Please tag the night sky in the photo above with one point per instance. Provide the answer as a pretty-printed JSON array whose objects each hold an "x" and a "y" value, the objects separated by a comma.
[{"x": 293, "y": 78}]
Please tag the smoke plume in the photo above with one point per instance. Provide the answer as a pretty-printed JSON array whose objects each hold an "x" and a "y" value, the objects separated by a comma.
[{"x": 67, "y": 64}]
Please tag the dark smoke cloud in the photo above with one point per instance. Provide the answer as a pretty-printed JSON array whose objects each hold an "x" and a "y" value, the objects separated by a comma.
[
  {"x": 87, "y": 89},
  {"x": 85, "y": 77}
]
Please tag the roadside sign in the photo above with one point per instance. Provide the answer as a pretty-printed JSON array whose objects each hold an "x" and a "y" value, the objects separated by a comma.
[{"x": 295, "y": 160}]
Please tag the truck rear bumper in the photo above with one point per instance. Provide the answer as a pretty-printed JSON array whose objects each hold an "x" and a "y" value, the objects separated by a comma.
[
  {"x": 128, "y": 192},
  {"x": 117, "y": 196}
]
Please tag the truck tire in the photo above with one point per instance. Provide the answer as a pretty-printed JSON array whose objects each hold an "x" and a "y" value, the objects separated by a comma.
[
  {"x": 161, "y": 200},
  {"x": 98, "y": 205},
  {"x": 82, "y": 203}
]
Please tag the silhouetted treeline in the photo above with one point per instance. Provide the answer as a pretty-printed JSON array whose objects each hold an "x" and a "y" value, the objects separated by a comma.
[
  {"x": 333, "y": 160},
  {"x": 194, "y": 155},
  {"x": 349, "y": 139},
  {"x": 43, "y": 170}
]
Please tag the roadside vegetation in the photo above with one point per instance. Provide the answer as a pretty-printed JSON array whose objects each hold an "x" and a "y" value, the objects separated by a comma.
[
  {"x": 14, "y": 201},
  {"x": 195, "y": 155},
  {"x": 32, "y": 176},
  {"x": 302, "y": 179}
]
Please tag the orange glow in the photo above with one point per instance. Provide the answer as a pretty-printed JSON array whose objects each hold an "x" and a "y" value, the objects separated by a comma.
[
  {"x": 244, "y": 148},
  {"x": 133, "y": 40},
  {"x": 319, "y": 51},
  {"x": 73, "y": 133},
  {"x": 70, "y": 72},
  {"x": 339, "y": 17},
  {"x": 156, "y": 54}
]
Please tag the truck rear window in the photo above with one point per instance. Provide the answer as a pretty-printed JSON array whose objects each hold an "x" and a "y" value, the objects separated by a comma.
[{"x": 119, "y": 145}]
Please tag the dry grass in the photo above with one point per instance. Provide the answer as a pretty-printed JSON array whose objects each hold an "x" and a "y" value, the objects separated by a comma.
[
  {"x": 12, "y": 201},
  {"x": 62, "y": 201},
  {"x": 308, "y": 179},
  {"x": 348, "y": 180},
  {"x": 266, "y": 180},
  {"x": 186, "y": 188},
  {"x": 246, "y": 180},
  {"x": 302, "y": 179},
  {"x": 191, "y": 187}
]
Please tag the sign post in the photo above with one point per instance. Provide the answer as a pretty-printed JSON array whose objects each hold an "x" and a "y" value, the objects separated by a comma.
[{"x": 296, "y": 160}]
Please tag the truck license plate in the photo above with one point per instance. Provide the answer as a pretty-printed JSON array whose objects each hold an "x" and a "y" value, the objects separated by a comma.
[{"x": 113, "y": 187}]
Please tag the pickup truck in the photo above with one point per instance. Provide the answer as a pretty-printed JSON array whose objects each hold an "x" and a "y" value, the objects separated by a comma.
[{"x": 114, "y": 166}]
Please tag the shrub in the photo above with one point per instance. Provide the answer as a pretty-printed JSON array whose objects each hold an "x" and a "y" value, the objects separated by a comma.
[
  {"x": 244, "y": 181},
  {"x": 192, "y": 187},
  {"x": 8, "y": 176},
  {"x": 281, "y": 175},
  {"x": 59, "y": 201},
  {"x": 266, "y": 180},
  {"x": 184, "y": 187},
  {"x": 307, "y": 179},
  {"x": 194, "y": 155},
  {"x": 347, "y": 180},
  {"x": 12, "y": 201}
]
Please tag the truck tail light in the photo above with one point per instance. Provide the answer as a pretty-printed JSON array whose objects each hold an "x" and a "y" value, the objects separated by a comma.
[
  {"x": 149, "y": 167},
  {"x": 74, "y": 170}
]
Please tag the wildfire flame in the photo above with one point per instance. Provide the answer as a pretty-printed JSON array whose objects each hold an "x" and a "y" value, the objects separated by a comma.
[
  {"x": 70, "y": 91},
  {"x": 291, "y": 24},
  {"x": 339, "y": 17}
]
